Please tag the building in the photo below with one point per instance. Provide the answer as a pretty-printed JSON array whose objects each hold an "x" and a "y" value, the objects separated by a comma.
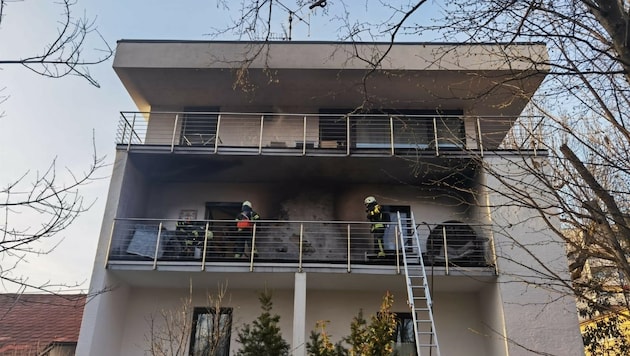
[
  {"x": 40, "y": 324},
  {"x": 604, "y": 323},
  {"x": 305, "y": 131}
]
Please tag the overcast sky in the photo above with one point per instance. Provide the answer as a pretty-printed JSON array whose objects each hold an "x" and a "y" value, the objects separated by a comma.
[{"x": 47, "y": 119}]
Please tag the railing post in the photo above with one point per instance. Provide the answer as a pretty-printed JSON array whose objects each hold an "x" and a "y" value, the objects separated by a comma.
[
  {"x": 157, "y": 246},
  {"x": 260, "y": 139},
  {"x": 396, "y": 232},
  {"x": 445, "y": 247},
  {"x": 125, "y": 123},
  {"x": 435, "y": 137},
  {"x": 174, "y": 131},
  {"x": 347, "y": 135},
  {"x": 537, "y": 137},
  {"x": 479, "y": 141},
  {"x": 391, "y": 133},
  {"x": 304, "y": 137},
  {"x": 109, "y": 244},
  {"x": 493, "y": 250},
  {"x": 251, "y": 254},
  {"x": 205, "y": 246},
  {"x": 133, "y": 124},
  {"x": 301, "y": 244},
  {"x": 216, "y": 136},
  {"x": 349, "y": 249}
]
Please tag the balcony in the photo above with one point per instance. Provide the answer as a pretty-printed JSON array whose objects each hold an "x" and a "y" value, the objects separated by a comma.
[
  {"x": 326, "y": 134},
  {"x": 166, "y": 244}
]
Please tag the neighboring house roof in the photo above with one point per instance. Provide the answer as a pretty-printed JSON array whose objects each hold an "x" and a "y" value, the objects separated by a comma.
[{"x": 29, "y": 323}]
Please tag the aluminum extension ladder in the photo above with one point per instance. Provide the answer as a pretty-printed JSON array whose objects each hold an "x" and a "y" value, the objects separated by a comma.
[{"x": 418, "y": 294}]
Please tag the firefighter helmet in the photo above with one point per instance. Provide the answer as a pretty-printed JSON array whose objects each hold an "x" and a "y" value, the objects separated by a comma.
[
  {"x": 247, "y": 203},
  {"x": 370, "y": 200}
]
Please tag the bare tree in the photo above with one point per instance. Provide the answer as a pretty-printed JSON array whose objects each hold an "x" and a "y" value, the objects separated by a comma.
[
  {"x": 170, "y": 329},
  {"x": 584, "y": 106},
  {"x": 580, "y": 173},
  {"x": 37, "y": 206},
  {"x": 53, "y": 205},
  {"x": 65, "y": 53}
]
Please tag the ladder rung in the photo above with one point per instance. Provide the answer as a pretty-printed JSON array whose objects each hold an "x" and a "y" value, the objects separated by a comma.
[{"x": 418, "y": 288}]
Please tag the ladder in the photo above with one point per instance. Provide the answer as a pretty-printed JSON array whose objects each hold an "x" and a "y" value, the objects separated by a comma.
[{"x": 418, "y": 294}]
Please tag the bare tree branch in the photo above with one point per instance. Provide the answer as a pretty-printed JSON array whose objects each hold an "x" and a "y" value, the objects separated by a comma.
[
  {"x": 64, "y": 55},
  {"x": 56, "y": 208}
]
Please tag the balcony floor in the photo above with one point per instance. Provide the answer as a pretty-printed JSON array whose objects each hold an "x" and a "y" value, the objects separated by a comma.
[{"x": 320, "y": 276}]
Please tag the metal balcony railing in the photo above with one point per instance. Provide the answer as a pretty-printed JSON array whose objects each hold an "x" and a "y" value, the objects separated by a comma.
[
  {"x": 288, "y": 133},
  {"x": 335, "y": 243}
]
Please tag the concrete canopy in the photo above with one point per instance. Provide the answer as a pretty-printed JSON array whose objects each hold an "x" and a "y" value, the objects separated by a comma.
[{"x": 481, "y": 79}]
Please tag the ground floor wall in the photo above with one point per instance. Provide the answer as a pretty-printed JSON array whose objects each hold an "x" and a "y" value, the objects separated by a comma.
[{"x": 460, "y": 331}]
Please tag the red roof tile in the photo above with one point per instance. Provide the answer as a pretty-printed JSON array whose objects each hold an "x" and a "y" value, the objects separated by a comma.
[{"x": 30, "y": 322}]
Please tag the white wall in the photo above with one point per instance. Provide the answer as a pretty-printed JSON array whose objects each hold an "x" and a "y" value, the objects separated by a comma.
[
  {"x": 458, "y": 314},
  {"x": 538, "y": 313},
  {"x": 106, "y": 302}
]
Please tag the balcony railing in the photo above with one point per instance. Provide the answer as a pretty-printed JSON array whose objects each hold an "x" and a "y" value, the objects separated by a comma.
[
  {"x": 258, "y": 133},
  {"x": 154, "y": 242}
]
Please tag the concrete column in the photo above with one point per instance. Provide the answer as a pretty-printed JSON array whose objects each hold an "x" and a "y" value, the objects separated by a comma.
[{"x": 299, "y": 315}]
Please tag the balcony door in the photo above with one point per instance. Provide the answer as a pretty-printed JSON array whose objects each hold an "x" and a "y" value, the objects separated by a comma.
[{"x": 389, "y": 239}]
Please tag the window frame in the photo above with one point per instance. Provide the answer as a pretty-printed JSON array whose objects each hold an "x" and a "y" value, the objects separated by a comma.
[
  {"x": 398, "y": 340},
  {"x": 224, "y": 349}
]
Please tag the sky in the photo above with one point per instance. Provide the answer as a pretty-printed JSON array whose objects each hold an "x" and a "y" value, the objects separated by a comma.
[{"x": 47, "y": 119}]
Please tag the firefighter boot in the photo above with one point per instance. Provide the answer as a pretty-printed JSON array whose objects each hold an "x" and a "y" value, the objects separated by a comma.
[{"x": 381, "y": 251}]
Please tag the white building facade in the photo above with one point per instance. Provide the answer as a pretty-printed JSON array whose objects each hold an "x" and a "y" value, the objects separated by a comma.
[{"x": 305, "y": 131}]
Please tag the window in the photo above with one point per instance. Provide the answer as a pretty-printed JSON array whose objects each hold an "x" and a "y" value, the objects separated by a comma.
[
  {"x": 333, "y": 128},
  {"x": 404, "y": 337},
  {"x": 211, "y": 332},
  {"x": 222, "y": 210},
  {"x": 450, "y": 130},
  {"x": 199, "y": 126},
  {"x": 415, "y": 129},
  {"x": 609, "y": 275}
]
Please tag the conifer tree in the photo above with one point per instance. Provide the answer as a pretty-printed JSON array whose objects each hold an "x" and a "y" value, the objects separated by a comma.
[
  {"x": 374, "y": 339},
  {"x": 320, "y": 344},
  {"x": 263, "y": 337}
]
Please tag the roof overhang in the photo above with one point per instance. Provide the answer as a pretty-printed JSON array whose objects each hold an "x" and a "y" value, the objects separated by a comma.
[{"x": 481, "y": 79}]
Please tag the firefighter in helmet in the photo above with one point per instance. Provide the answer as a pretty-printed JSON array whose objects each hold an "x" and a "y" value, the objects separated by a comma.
[
  {"x": 379, "y": 219},
  {"x": 245, "y": 228}
]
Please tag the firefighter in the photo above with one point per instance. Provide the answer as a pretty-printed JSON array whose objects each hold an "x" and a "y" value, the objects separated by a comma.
[
  {"x": 245, "y": 228},
  {"x": 379, "y": 219}
]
